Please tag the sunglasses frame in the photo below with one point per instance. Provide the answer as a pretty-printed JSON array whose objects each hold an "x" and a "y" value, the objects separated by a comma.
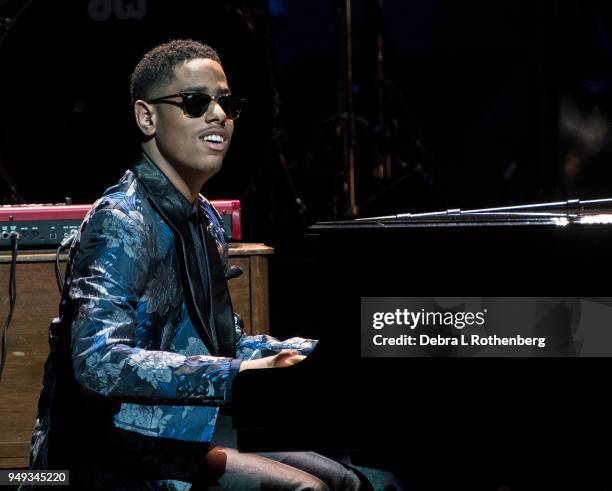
[{"x": 183, "y": 103}]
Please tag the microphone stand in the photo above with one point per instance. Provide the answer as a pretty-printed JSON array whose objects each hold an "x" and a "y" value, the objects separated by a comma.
[{"x": 347, "y": 110}]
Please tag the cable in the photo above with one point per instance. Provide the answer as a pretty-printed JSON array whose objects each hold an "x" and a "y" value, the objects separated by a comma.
[
  {"x": 64, "y": 244},
  {"x": 12, "y": 299},
  {"x": 58, "y": 277}
]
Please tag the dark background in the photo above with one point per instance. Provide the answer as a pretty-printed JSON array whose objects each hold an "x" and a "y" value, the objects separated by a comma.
[{"x": 480, "y": 104}]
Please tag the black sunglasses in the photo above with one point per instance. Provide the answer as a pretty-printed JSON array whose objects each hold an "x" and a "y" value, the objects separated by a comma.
[{"x": 195, "y": 104}]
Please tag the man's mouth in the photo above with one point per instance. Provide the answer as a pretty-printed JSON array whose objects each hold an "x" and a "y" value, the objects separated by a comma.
[{"x": 214, "y": 141}]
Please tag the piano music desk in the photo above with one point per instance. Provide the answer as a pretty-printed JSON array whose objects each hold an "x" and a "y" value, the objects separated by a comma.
[{"x": 37, "y": 304}]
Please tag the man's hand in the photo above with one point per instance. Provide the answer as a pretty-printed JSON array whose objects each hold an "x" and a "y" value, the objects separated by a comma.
[{"x": 284, "y": 358}]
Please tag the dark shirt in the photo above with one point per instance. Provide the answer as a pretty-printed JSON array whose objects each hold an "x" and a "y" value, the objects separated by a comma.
[{"x": 200, "y": 247}]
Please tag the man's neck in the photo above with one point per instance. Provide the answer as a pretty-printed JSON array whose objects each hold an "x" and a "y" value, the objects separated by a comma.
[{"x": 189, "y": 185}]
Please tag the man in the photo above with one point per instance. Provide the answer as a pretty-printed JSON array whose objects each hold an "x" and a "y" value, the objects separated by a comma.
[{"x": 147, "y": 345}]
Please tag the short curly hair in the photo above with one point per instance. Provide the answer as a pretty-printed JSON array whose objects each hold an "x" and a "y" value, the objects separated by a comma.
[{"x": 157, "y": 66}]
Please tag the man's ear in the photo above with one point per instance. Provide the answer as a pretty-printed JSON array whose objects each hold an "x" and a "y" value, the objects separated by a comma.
[{"x": 146, "y": 117}]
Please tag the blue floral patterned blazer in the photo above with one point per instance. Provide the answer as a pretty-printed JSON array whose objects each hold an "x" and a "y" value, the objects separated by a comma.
[{"x": 138, "y": 332}]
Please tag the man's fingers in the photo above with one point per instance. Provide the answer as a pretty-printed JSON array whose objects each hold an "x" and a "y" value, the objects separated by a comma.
[
  {"x": 286, "y": 352},
  {"x": 295, "y": 359},
  {"x": 287, "y": 358}
]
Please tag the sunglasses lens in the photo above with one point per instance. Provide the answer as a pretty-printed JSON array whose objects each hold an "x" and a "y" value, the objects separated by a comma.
[
  {"x": 231, "y": 105},
  {"x": 195, "y": 104}
]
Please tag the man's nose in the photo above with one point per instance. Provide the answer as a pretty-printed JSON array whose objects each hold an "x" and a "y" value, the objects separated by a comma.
[{"x": 215, "y": 112}]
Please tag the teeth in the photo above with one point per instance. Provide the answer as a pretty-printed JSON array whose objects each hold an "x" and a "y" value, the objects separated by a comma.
[{"x": 214, "y": 138}]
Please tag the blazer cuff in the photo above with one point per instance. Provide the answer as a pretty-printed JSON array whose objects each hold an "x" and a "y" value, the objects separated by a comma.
[{"x": 234, "y": 369}]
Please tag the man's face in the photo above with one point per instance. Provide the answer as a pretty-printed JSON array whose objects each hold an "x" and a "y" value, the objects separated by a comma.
[{"x": 181, "y": 140}]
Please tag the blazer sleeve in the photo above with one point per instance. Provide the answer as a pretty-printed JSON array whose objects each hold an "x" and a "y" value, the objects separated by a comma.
[{"x": 110, "y": 271}]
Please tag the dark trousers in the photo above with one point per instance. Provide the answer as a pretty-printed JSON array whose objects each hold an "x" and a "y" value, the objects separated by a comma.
[
  {"x": 283, "y": 471},
  {"x": 124, "y": 460}
]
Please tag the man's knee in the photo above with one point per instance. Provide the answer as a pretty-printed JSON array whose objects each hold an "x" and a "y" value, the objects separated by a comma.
[
  {"x": 307, "y": 482},
  {"x": 350, "y": 481}
]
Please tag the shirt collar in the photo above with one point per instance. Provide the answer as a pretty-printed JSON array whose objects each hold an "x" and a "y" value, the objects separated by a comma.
[
  {"x": 161, "y": 188},
  {"x": 195, "y": 213}
]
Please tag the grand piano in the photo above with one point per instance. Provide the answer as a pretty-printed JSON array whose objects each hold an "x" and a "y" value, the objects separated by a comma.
[{"x": 441, "y": 408}]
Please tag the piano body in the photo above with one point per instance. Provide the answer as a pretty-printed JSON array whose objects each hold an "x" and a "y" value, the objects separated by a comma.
[{"x": 439, "y": 408}]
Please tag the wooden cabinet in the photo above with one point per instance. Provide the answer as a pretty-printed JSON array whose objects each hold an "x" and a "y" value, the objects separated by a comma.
[{"x": 37, "y": 304}]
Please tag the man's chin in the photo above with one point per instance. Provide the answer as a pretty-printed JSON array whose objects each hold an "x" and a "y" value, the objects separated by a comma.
[{"x": 209, "y": 166}]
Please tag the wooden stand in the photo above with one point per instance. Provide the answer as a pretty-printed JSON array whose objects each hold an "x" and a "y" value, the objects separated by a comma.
[{"x": 37, "y": 303}]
